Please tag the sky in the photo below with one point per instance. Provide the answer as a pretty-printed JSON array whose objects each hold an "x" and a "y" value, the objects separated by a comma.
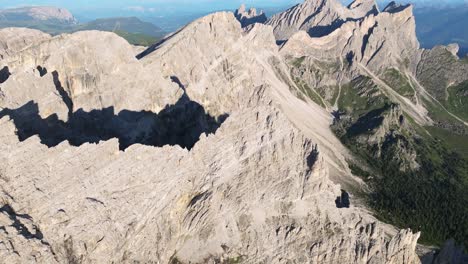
[
  {"x": 91, "y": 9},
  {"x": 154, "y": 5}
]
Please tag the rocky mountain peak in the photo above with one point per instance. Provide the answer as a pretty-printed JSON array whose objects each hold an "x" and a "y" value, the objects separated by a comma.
[
  {"x": 394, "y": 7},
  {"x": 364, "y": 7},
  {"x": 320, "y": 18},
  {"x": 249, "y": 17},
  {"x": 358, "y": 3}
]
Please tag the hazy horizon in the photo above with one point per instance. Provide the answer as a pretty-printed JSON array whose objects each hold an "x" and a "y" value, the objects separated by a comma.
[
  {"x": 161, "y": 7},
  {"x": 171, "y": 14}
]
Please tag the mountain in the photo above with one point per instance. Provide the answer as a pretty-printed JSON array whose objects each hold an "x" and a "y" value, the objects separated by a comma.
[
  {"x": 268, "y": 143},
  {"x": 128, "y": 24},
  {"x": 56, "y": 21},
  {"x": 319, "y": 18},
  {"x": 50, "y": 19},
  {"x": 132, "y": 29},
  {"x": 37, "y": 14},
  {"x": 249, "y": 17}
]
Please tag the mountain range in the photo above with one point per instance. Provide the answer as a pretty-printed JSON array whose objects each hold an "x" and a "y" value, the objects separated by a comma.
[
  {"x": 56, "y": 21},
  {"x": 323, "y": 134}
]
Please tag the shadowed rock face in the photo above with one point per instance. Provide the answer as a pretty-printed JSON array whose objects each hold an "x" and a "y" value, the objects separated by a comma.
[
  {"x": 180, "y": 124},
  {"x": 4, "y": 74}
]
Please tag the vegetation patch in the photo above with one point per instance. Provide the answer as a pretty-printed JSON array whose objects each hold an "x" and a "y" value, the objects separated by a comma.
[
  {"x": 137, "y": 39},
  {"x": 360, "y": 96},
  {"x": 309, "y": 92},
  {"x": 297, "y": 62},
  {"x": 432, "y": 199},
  {"x": 457, "y": 102},
  {"x": 398, "y": 82}
]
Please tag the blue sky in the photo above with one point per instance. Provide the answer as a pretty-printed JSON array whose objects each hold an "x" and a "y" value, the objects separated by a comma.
[
  {"x": 178, "y": 4},
  {"x": 90, "y": 9}
]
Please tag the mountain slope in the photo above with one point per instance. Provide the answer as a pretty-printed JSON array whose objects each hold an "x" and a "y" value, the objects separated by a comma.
[
  {"x": 216, "y": 145},
  {"x": 128, "y": 24},
  {"x": 132, "y": 29},
  {"x": 267, "y": 177},
  {"x": 386, "y": 95}
]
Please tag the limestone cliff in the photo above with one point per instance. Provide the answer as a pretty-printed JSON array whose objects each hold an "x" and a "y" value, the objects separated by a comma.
[{"x": 261, "y": 187}]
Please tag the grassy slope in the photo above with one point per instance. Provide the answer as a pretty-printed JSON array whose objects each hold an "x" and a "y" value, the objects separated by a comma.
[
  {"x": 137, "y": 38},
  {"x": 125, "y": 24},
  {"x": 397, "y": 81},
  {"x": 457, "y": 101}
]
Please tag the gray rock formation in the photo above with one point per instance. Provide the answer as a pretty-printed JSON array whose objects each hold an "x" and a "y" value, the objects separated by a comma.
[
  {"x": 249, "y": 17},
  {"x": 261, "y": 189},
  {"x": 13, "y": 40},
  {"x": 319, "y": 18}
]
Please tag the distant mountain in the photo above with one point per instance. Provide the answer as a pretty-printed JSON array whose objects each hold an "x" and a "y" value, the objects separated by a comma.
[
  {"x": 436, "y": 26},
  {"x": 38, "y": 13},
  {"x": 128, "y": 24},
  {"x": 48, "y": 19},
  {"x": 55, "y": 21},
  {"x": 132, "y": 29}
]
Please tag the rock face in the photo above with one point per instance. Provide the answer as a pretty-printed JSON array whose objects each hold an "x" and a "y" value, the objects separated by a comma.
[
  {"x": 13, "y": 40},
  {"x": 247, "y": 18},
  {"x": 366, "y": 67},
  {"x": 261, "y": 188},
  {"x": 379, "y": 41},
  {"x": 368, "y": 45},
  {"x": 319, "y": 18},
  {"x": 41, "y": 13}
]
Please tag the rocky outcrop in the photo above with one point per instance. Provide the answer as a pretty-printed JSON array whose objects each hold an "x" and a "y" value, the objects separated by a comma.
[
  {"x": 247, "y": 18},
  {"x": 89, "y": 67},
  {"x": 319, "y": 18},
  {"x": 260, "y": 189},
  {"x": 13, "y": 40},
  {"x": 376, "y": 41}
]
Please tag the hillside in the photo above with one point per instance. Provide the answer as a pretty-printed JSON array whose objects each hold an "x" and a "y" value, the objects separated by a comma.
[{"x": 125, "y": 24}]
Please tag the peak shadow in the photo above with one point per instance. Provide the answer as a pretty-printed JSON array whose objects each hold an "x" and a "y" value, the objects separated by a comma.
[{"x": 179, "y": 124}]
